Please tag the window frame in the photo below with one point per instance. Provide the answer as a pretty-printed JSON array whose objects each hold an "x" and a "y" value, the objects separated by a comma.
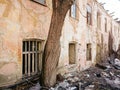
[
  {"x": 89, "y": 14},
  {"x": 105, "y": 24},
  {"x": 33, "y": 51},
  {"x": 98, "y": 20},
  {"x": 76, "y": 14},
  {"x": 89, "y": 52},
  {"x": 72, "y": 45},
  {"x": 73, "y": 11}
]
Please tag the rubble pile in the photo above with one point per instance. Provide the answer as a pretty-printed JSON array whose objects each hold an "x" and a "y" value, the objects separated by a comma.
[{"x": 102, "y": 76}]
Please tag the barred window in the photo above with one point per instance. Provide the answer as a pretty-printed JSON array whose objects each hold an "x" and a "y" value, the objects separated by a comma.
[{"x": 32, "y": 57}]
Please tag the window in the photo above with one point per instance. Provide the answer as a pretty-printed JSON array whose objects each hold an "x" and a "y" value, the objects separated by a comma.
[
  {"x": 102, "y": 40},
  {"x": 89, "y": 57},
  {"x": 98, "y": 20},
  {"x": 31, "y": 57},
  {"x": 89, "y": 15},
  {"x": 105, "y": 25},
  {"x": 111, "y": 26},
  {"x": 40, "y": 1},
  {"x": 73, "y": 11},
  {"x": 72, "y": 53}
]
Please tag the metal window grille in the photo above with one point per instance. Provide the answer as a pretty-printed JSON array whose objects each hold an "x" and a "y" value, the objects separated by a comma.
[{"x": 31, "y": 57}]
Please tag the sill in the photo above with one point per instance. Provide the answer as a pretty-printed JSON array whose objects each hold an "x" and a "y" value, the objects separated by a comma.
[
  {"x": 74, "y": 18},
  {"x": 89, "y": 60},
  {"x": 89, "y": 26},
  {"x": 31, "y": 75},
  {"x": 72, "y": 64},
  {"x": 39, "y": 3}
]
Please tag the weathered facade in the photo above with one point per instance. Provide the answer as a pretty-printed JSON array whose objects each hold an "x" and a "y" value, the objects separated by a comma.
[{"x": 24, "y": 26}]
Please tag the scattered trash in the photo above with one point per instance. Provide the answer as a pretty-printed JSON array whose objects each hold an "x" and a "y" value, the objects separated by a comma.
[
  {"x": 60, "y": 77},
  {"x": 102, "y": 76},
  {"x": 36, "y": 87}
]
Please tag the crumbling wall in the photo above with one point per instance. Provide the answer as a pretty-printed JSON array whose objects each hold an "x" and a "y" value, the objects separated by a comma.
[
  {"x": 25, "y": 19},
  {"x": 19, "y": 20}
]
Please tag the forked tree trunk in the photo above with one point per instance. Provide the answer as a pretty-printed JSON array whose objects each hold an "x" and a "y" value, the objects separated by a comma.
[{"x": 52, "y": 47}]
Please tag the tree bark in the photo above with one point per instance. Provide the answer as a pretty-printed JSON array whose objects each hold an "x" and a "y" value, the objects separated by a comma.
[{"x": 52, "y": 47}]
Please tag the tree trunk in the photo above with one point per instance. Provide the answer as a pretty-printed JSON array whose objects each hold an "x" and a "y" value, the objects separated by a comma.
[{"x": 52, "y": 47}]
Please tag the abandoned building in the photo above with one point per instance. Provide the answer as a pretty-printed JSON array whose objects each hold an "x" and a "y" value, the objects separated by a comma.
[{"x": 24, "y": 26}]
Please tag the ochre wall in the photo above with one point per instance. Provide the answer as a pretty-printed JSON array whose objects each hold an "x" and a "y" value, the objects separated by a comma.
[
  {"x": 25, "y": 19},
  {"x": 19, "y": 20}
]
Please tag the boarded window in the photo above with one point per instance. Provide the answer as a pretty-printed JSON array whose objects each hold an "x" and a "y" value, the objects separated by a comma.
[
  {"x": 89, "y": 56},
  {"x": 72, "y": 53},
  {"x": 73, "y": 11},
  {"x": 89, "y": 15},
  {"x": 98, "y": 20},
  {"x": 40, "y": 1},
  {"x": 98, "y": 53},
  {"x": 31, "y": 57}
]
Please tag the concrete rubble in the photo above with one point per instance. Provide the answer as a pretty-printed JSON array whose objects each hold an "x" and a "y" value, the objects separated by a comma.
[{"x": 102, "y": 76}]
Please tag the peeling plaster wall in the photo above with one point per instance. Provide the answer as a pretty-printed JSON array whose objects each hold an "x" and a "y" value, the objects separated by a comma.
[
  {"x": 74, "y": 32},
  {"x": 115, "y": 32},
  {"x": 19, "y": 20},
  {"x": 80, "y": 33},
  {"x": 25, "y": 19}
]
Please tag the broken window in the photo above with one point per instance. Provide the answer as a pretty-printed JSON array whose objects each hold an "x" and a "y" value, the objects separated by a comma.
[
  {"x": 98, "y": 20},
  {"x": 32, "y": 57},
  {"x": 40, "y": 1},
  {"x": 89, "y": 56},
  {"x": 72, "y": 53},
  {"x": 73, "y": 11},
  {"x": 105, "y": 24},
  {"x": 89, "y": 15}
]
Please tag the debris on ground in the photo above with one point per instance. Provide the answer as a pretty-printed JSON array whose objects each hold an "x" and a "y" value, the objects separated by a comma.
[{"x": 102, "y": 76}]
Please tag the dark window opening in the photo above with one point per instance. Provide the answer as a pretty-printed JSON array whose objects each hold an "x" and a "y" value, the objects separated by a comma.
[
  {"x": 105, "y": 25},
  {"x": 98, "y": 20},
  {"x": 89, "y": 55},
  {"x": 89, "y": 15}
]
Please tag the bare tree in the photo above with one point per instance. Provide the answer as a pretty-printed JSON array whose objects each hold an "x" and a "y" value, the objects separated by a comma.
[{"x": 52, "y": 47}]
